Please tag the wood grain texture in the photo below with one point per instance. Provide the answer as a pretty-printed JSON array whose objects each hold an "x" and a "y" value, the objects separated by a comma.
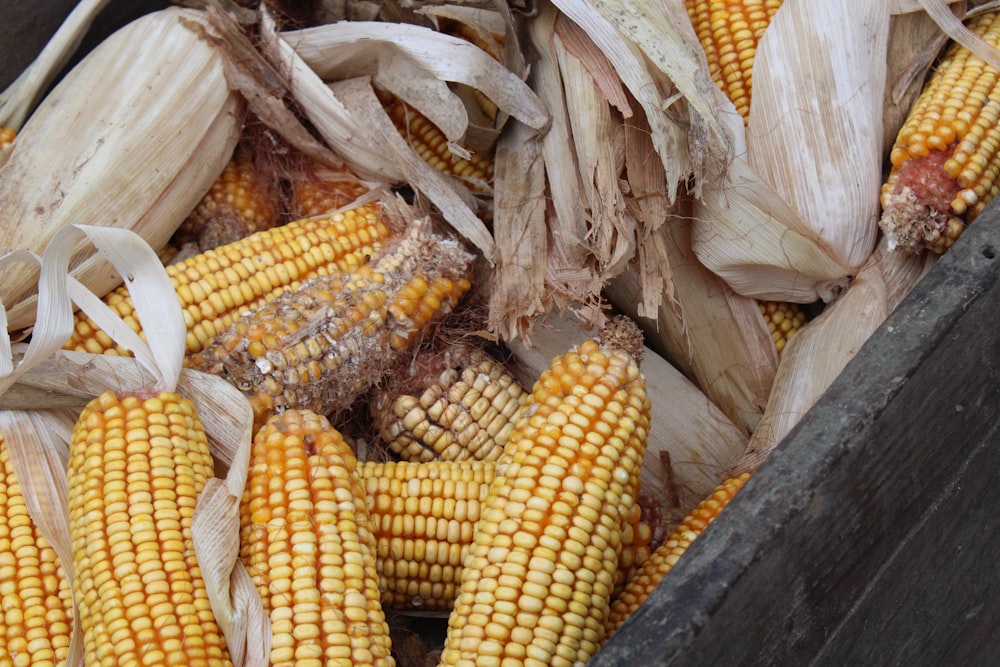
[{"x": 868, "y": 537}]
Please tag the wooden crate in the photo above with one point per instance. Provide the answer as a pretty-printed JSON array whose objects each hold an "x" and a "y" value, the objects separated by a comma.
[{"x": 869, "y": 536}]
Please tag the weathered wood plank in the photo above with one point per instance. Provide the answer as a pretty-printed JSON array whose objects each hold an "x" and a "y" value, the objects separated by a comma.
[{"x": 841, "y": 549}]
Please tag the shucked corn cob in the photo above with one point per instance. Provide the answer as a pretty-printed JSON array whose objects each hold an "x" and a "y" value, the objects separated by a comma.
[
  {"x": 217, "y": 286},
  {"x": 652, "y": 571},
  {"x": 34, "y": 591},
  {"x": 320, "y": 346},
  {"x": 465, "y": 405},
  {"x": 307, "y": 543},
  {"x": 946, "y": 159},
  {"x": 537, "y": 583},
  {"x": 137, "y": 464},
  {"x": 729, "y": 31},
  {"x": 242, "y": 201},
  {"x": 424, "y": 514}
]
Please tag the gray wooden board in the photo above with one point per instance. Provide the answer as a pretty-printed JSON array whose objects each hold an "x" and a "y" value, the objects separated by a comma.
[{"x": 869, "y": 535}]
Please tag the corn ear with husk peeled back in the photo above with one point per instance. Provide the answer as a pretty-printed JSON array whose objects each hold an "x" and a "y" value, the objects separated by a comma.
[
  {"x": 453, "y": 404},
  {"x": 538, "y": 579},
  {"x": 946, "y": 158},
  {"x": 320, "y": 346},
  {"x": 308, "y": 545},
  {"x": 810, "y": 210},
  {"x": 663, "y": 559},
  {"x": 152, "y": 102},
  {"x": 217, "y": 286},
  {"x": 424, "y": 515}
]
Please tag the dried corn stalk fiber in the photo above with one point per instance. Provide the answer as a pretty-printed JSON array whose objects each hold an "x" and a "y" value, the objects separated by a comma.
[
  {"x": 820, "y": 350},
  {"x": 320, "y": 346},
  {"x": 691, "y": 442},
  {"x": 803, "y": 190},
  {"x": 151, "y": 101},
  {"x": 450, "y": 404}
]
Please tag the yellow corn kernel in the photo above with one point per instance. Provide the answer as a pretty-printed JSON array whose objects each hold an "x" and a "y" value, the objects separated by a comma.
[
  {"x": 34, "y": 592},
  {"x": 322, "y": 345},
  {"x": 946, "y": 158},
  {"x": 7, "y": 135},
  {"x": 307, "y": 543},
  {"x": 137, "y": 463},
  {"x": 424, "y": 515},
  {"x": 729, "y": 31},
  {"x": 783, "y": 320},
  {"x": 464, "y": 406},
  {"x": 219, "y": 285},
  {"x": 538, "y": 579},
  {"x": 663, "y": 559}
]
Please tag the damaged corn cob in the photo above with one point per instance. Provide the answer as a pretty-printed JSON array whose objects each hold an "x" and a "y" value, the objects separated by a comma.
[
  {"x": 466, "y": 407},
  {"x": 307, "y": 543},
  {"x": 137, "y": 464},
  {"x": 729, "y": 31},
  {"x": 34, "y": 591},
  {"x": 321, "y": 345},
  {"x": 242, "y": 201},
  {"x": 424, "y": 514},
  {"x": 946, "y": 158},
  {"x": 783, "y": 321},
  {"x": 217, "y": 286},
  {"x": 652, "y": 571},
  {"x": 537, "y": 583}
]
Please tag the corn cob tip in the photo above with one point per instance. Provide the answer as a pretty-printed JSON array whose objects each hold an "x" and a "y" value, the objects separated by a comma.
[
  {"x": 911, "y": 225},
  {"x": 622, "y": 333}
]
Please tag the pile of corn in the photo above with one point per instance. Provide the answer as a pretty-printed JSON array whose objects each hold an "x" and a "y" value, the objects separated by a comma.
[{"x": 398, "y": 465}]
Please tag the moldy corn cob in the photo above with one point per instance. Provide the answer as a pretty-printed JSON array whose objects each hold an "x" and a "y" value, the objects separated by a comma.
[
  {"x": 217, "y": 286},
  {"x": 946, "y": 158},
  {"x": 243, "y": 200},
  {"x": 307, "y": 543},
  {"x": 137, "y": 464},
  {"x": 537, "y": 583},
  {"x": 424, "y": 515},
  {"x": 463, "y": 405},
  {"x": 321, "y": 345},
  {"x": 34, "y": 591},
  {"x": 663, "y": 559}
]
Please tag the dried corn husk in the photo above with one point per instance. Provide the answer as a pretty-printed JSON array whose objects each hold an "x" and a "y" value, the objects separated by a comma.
[
  {"x": 817, "y": 354},
  {"x": 691, "y": 441},
  {"x": 132, "y": 137},
  {"x": 39, "y": 437}
]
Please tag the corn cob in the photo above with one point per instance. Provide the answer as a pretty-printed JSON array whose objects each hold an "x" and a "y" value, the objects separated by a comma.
[
  {"x": 7, "y": 135},
  {"x": 424, "y": 514},
  {"x": 432, "y": 145},
  {"x": 320, "y": 346},
  {"x": 242, "y": 201},
  {"x": 729, "y": 31},
  {"x": 34, "y": 592},
  {"x": 137, "y": 464},
  {"x": 318, "y": 194},
  {"x": 537, "y": 583},
  {"x": 783, "y": 321},
  {"x": 946, "y": 158},
  {"x": 652, "y": 571},
  {"x": 307, "y": 544},
  {"x": 219, "y": 285},
  {"x": 466, "y": 408}
]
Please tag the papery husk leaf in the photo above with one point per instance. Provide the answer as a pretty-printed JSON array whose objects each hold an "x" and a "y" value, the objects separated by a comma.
[
  {"x": 20, "y": 97},
  {"x": 685, "y": 146},
  {"x": 817, "y": 354},
  {"x": 517, "y": 282},
  {"x": 150, "y": 102},
  {"x": 699, "y": 440},
  {"x": 224, "y": 411},
  {"x": 715, "y": 336}
]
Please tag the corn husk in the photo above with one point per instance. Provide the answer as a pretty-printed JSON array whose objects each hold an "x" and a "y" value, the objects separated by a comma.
[
  {"x": 40, "y": 436},
  {"x": 132, "y": 137},
  {"x": 691, "y": 442},
  {"x": 818, "y": 353}
]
